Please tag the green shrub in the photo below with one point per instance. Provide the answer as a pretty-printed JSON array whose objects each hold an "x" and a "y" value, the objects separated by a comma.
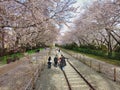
[
  {"x": 91, "y": 49},
  {"x": 103, "y": 48},
  {"x": 117, "y": 56},
  {"x": 90, "y": 46},
  {"x": 117, "y": 49}
]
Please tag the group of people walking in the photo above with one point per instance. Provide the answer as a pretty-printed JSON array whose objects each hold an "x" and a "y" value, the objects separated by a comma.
[{"x": 58, "y": 61}]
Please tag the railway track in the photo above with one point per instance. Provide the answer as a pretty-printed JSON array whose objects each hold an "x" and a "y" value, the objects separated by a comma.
[{"x": 75, "y": 79}]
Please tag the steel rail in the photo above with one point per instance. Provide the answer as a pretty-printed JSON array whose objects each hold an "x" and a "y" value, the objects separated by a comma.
[
  {"x": 91, "y": 87},
  {"x": 69, "y": 86}
]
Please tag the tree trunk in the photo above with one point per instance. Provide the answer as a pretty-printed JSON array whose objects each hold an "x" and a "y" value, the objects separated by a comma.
[
  {"x": 115, "y": 38},
  {"x": 109, "y": 43},
  {"x": 2, "y": 42}
]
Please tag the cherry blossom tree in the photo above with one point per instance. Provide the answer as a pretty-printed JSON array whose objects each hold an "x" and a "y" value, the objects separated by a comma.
[
  {"x": 99, "y": 24},
  {"x": 34, "y": 22}
]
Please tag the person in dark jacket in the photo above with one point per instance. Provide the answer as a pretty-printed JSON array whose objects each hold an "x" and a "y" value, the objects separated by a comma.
[
  {"x": 49, "y": 62},
  {"x": 59, "y": 50},
  {"x": 55, "y": 61},
  {"x": 37, "y": 51},
  {"x": 62, "y": 62}
]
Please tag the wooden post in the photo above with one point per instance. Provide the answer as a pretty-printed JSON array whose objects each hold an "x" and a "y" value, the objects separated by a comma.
[
  {"x": 114, "y": 74},
  {"x": 90, "y": 63},
  {"x": 39, "y": 70},
  {"x": 42, "y": 66},
  {"x": 33, "y": 83},
  {"x": 78, "y": 56},
  {"x": 99, "y": 68},
  {"x": 83, "y": 59}
]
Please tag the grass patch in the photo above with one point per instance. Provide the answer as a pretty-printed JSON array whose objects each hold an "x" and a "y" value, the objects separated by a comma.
[
  {"x": 3, "y": 60},
  {"x": 110, "y": 61},
  {"x": 33, "y": 51}
]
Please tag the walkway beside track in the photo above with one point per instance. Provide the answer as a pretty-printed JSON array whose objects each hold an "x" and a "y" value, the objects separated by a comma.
[{"x": 53, "y": 79}]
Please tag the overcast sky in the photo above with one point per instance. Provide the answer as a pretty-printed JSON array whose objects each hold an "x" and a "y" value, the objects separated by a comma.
[{"x": 80, "y": 3}]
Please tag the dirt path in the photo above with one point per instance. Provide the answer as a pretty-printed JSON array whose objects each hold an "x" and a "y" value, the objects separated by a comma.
[
  {"x": 16, "y": 75},
  {"x": 4, "y": 69}
]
